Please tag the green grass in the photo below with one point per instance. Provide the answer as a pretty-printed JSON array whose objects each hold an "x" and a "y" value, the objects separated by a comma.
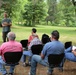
[{"x": 66, "y": 33}]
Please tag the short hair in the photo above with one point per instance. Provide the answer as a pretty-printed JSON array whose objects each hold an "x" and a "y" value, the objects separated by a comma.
[
  {"x": 34, "y": 30},
  {"x": 11, "y": 36},
  {"x": 55, "y": 34},
  {"x": 45, "y": 38}
]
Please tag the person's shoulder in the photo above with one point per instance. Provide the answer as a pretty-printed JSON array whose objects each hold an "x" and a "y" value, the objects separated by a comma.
[
  {"x": 48, "y": 43},
  {"x": 17, "y": 42},
  {"x": 4, "y": 44},
  {"x": 3, "y": 20},
  {"x": 61, "y": 43},
  {"x": 9, "y": 18},
  {"x": 30, "y": 36}
]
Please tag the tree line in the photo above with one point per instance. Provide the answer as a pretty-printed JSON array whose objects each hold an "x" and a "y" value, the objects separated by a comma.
[{"x": 33, "y": 12}]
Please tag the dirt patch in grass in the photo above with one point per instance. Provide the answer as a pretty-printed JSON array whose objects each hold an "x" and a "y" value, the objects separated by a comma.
[{"x": 69, "y": 69}]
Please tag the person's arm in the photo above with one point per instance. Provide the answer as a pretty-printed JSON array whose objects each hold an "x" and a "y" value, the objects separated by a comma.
[
  {"x": 7, "y": 23},
  {"x": 30, "y": 45},
  {"x": 42, "y": 56},
  {"x": 0, "y": 51},
  {"x": 43, "y": 52},
  {"x": 30, "y": 39},
  {"x": 4, "y": 24},
  {"x": 10, "y": 24},
  {"x": 1, "y": 48}
]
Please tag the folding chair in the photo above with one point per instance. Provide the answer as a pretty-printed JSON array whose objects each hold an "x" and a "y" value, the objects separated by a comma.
[
  {"x": 36, "y": 49},
  {"x": 68, "y": 44},
  {"x": 12, "y": 58},
  {"x": 24, "y": 43},
  {"x": 54, "y": 60}
]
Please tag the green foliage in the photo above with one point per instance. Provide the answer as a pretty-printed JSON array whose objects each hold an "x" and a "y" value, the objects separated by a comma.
[
  {"x": 52, "y": 10},
  {"x": 34, "y": 12},
  {"x": 14, "y": 8},
  {"x": 65, "y": 13}
]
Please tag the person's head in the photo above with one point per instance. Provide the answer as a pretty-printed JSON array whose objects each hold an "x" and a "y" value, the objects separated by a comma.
[
  {"x": 45, "y": 38},
  {"x": 55, "y": 35},
  {"x": 34, "y": 30},
  {"x": 5, "y": 15},
  {"x": 11, "y": 36}
]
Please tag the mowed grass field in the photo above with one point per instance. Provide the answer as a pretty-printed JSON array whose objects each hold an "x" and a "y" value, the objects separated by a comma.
[{"x": 66, "y": 33}]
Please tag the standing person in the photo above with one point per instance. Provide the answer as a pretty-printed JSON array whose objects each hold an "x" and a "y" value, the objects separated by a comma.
[
  {"x": 10, "y": 46},
  {"x": 53, "y": 47},
  {"x": 6, "y": 24},
  {"x": 31, "y": 36}
]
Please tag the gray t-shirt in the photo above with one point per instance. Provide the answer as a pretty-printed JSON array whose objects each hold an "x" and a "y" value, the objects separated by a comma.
[{"x": 6, "y": 28}]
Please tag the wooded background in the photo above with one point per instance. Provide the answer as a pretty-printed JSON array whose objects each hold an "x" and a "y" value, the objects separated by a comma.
[{"x": 41, "y": 12}]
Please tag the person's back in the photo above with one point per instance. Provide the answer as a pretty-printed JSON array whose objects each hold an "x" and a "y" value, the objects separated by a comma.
[
  {"x": 10, "y": 46},
  {"x": 53, "y": 47},
  {"x": 34, "y": 41}
]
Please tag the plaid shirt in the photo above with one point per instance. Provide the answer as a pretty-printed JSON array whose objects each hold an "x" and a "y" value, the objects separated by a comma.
[{"x": 35, "y": 41}]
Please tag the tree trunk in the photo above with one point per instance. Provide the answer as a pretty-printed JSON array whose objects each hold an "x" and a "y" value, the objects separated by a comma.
[
  {"x": 33, "y": 20},
  {"x": 74, "y": 3}
]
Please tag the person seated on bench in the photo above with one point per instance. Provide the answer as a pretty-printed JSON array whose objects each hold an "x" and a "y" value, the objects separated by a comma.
[{"x": 10, "y": 46}]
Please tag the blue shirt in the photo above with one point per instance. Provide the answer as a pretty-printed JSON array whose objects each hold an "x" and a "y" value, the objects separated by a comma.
[
  {"x": 6, "y": 28},
  {"x": 54, "y": 47}
]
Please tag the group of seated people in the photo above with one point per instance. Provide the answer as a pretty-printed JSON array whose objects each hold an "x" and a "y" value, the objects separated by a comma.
[
  {"x": 33, "y": 40},
  {"x": 53, "y": 47}
]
